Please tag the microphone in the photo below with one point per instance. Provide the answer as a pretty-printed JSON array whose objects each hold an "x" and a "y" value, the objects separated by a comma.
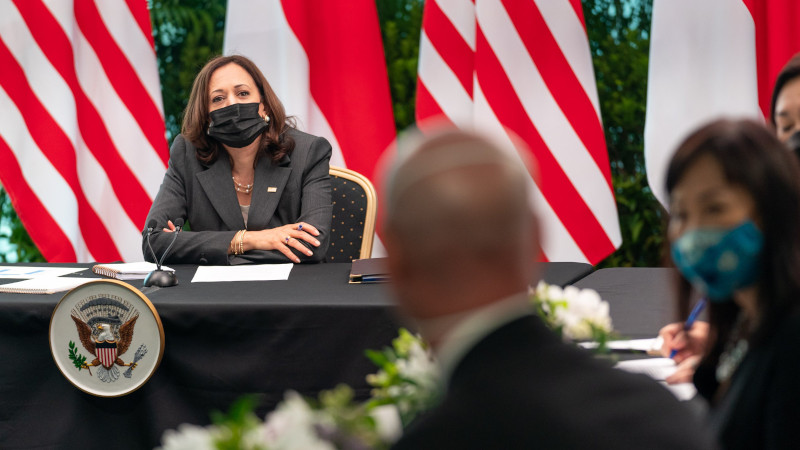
[
  {"x": 164, "y": 278},
  {"x": 151, "y": 226}
]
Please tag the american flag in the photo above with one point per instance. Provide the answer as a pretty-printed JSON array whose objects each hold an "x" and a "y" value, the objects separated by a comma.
[
  {"x": 82, "y": 136},
  {"x": 523, "y": 68}
]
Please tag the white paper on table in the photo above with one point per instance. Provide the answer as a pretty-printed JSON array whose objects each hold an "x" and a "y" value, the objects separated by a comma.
[
  {"x": 682, "y": 391},
  {"x": 27, "y": 272},
  {"x": 656, "y": 368},
  {"x": 659, "y": 369},
  {"x": 45, "y": 285},
  {"x": 252, "y": 272},
  {"x": 639, "y": 345}
]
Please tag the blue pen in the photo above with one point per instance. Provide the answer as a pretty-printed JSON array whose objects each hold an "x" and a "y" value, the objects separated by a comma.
[{"x": 690, "y": 321}]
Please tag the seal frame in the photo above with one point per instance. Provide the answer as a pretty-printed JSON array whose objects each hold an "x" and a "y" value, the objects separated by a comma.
[{"x": 62, "y": 313}]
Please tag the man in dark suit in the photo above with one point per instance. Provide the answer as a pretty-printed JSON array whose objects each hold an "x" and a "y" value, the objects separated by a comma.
[{"x": 463, "y": 245}]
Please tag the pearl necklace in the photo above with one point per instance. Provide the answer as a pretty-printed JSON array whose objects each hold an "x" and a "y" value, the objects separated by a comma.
[{"x": 243, "y": 188}]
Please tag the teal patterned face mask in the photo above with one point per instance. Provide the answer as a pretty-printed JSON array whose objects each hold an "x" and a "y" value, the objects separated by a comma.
[{"x": 719, "y": 261}]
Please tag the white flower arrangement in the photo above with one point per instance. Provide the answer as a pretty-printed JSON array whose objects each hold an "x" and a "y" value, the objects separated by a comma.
[
  {"x": 405, "y": 385},
  {"x": 408, "y": 377},
  {"x": 575, "y": 314}
]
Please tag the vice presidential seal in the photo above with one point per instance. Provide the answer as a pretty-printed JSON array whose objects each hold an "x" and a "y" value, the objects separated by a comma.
[{"x": 92, "y": 330}]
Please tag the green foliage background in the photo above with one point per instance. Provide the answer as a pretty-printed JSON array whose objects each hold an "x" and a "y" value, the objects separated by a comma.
[{"x": 188, "y": 32}]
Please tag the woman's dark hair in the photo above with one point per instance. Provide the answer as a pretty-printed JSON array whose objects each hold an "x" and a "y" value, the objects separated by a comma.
[
  {"x": 275, "y": 142},
  {"x": 751, "y": 157},
  {"x": 789, "y": 72}
]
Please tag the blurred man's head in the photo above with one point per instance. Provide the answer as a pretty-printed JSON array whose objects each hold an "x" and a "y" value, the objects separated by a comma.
[{"x": 458, "y": 225}]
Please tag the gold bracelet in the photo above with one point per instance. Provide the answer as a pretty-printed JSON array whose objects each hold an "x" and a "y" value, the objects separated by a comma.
[
  {"x": 233, "y": 242},
  {"x": 241, "y": 242}
]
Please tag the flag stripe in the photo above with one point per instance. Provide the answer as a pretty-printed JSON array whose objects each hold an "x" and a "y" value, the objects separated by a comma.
[
  {"x": 58, "y": 51},
  {"x": 532, "y": 75},
  {"x": 556, "y": 241},
  {"x": 81, "y": 124},
  {"x": 120, "y": 72},
  {"x": 560, "y": 81},
  {"x": 443, "y": 35},
  {"x": 461, "y": 15},
  {"x": 443, "y": 85},
  {"x": 135, "y": 46},
  {"x": 57, "y": 148},
  {"x": 541, "y": 107},
  {"x": 55, "y": 246},
  {"x": 569, "y": 32},
  {"x": 556, "y": 187},
  {"x": 142, "y": 18},
  {"x": 427, "y": 107}
]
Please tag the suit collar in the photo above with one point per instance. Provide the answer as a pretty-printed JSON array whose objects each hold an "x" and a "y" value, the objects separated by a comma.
[
  {"x": 467, "y": 329},
  {"x": 268, "y": 186},
  {"x": 218, "y": 186}
]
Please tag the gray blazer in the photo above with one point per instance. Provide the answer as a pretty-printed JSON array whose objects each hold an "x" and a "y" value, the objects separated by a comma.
[{"x": 204, "y": 195}]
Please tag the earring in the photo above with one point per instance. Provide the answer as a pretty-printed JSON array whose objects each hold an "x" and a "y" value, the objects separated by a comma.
[{"x": 266, "y": 119}]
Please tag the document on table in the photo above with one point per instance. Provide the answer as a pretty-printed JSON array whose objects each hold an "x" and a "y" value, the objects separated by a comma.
[
  {"x": 252, "y": 272},
  {"x": 47, "y": 285},
  {"x": 651, "y": 346},
  {"x": 659, "y": 369},
  {"x": 27, "y": 272},
  {"x": 656, "y": 368}
]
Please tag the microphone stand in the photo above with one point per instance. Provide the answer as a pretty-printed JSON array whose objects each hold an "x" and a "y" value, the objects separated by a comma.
[{"x": 158, "y": 277}]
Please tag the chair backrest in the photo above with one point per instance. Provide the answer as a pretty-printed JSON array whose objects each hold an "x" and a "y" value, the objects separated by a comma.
[{"x": 355, "y": 206}]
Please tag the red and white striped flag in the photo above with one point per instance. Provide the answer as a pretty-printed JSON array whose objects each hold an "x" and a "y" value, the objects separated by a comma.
[
  {"x": 325, "y": 62},
  {"x": 708, "y": 59},
  {"x": 82, "y": 143},
  {"x": 525, "y": 66}
]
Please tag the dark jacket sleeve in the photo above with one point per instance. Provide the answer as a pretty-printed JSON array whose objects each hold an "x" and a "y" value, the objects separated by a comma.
[
  {"x": 171, "y": 203},
  {"x": 316, "y": 205}
]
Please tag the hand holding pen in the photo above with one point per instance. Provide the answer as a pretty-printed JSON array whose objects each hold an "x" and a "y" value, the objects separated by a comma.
[{"x": 682, "y": 340}]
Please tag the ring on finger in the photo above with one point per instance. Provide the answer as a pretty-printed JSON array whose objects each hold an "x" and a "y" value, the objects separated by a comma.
[
  {"x": 300, "y": 227},
  {"x": 286, "y": 240}
]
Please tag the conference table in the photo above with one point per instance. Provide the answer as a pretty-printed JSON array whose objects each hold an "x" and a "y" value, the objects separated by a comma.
[{"x": 224, "y": 340}]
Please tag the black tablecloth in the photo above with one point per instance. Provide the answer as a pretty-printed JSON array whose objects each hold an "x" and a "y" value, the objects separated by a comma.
[{"x": 223, "y": 340}]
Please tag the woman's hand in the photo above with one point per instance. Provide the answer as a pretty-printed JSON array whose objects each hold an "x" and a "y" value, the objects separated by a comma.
[
  {"x": 687, "y": 344},
  {"x": 685, "y": 371},
  {"x": 170, "y": 227},
  {"x": 283, "y": 239}
]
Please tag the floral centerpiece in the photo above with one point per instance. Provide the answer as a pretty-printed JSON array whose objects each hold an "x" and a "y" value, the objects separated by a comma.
[
  {"x": 405, "y": 385},
  {"x": 574, "y": 314}
]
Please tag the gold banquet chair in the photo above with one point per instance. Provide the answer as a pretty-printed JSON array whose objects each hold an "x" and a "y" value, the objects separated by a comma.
[{"x": 355, "y": 206}]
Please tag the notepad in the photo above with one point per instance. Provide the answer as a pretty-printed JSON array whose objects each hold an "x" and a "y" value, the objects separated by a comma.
[
  {"x": 127, "y": 271},
  {"x": 47, "y": 285}
]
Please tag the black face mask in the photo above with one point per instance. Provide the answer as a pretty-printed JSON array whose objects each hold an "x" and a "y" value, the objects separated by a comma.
[{"x": 236, "y": 125}]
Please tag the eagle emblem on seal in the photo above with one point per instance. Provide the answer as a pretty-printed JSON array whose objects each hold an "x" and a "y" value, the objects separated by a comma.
[{"x": 105, "y": 328}]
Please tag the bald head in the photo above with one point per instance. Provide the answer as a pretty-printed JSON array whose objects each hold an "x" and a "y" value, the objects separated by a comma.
[{"x": 456, "y": 205}]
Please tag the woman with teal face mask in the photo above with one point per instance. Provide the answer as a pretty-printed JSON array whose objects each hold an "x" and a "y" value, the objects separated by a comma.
[{"x": 733, "y": 232}]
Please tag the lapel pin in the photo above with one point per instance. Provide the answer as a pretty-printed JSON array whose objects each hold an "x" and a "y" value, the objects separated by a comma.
[{"x": 272, "y": 189}]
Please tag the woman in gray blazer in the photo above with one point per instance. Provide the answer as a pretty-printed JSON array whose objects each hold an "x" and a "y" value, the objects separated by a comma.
[{"x": 251, "y": 187}]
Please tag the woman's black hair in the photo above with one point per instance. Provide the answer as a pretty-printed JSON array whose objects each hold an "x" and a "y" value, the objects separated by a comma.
[
  {"x": 789, "y": 72},
  {"x": 751, "y": 157}
]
